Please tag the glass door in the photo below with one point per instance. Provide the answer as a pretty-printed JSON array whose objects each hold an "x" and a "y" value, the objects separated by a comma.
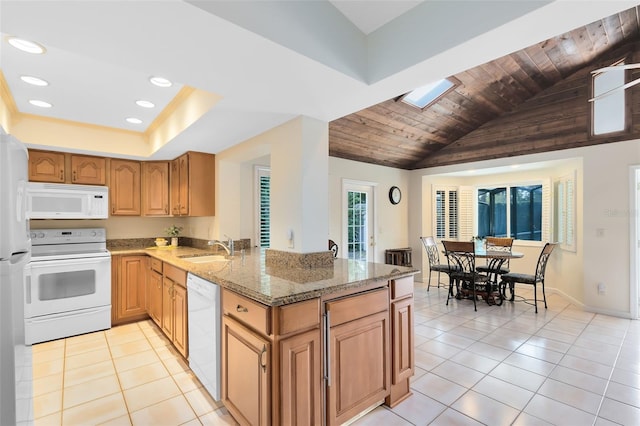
[{"x": 358, "y": 222}]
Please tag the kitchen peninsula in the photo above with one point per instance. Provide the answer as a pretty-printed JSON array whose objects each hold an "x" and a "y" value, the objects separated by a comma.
[{"x": 303, "y": 344}]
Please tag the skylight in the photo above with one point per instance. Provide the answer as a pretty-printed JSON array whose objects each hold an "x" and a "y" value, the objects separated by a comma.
[{"x": 424, "y": 96}]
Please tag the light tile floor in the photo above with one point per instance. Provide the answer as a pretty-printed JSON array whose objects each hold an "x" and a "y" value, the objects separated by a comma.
[{"x": 499, "y": 365}]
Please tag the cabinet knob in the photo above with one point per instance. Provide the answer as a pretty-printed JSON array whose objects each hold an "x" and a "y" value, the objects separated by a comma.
[
  {"x": 241, "y": 308},
  {"x": 74, "y": 178},
  {"x": 61, "y": 174}
]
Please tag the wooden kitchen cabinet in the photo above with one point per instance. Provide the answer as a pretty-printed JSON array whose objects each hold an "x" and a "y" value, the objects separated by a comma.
[
  {"x": 301, "y": 379},
  {"x": 245, "y": 374},
  {"x": 155, "y": 188},
  {"x": 402, "y": 340},
  {"x": 154, "y": 293},
  {"x": 192, "y": 184},
  {"x": 358, "y": 354},
  {"x": 174, "y": 307},
  {"x": 129, "y": 301},
  {"x": 124, "y": 187},
  {"x": 46, "y": 166},
  {"x": 60, "y": 167},
  {"x": 88, "y": 170},
  {"x": 271, "y": 361}
]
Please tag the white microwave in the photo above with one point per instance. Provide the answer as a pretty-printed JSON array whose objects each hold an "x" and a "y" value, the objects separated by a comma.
[{"x": 60, "y": 201}]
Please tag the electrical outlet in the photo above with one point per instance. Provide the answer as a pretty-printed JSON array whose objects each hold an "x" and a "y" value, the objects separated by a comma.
[{"x": 602, "y": 288}]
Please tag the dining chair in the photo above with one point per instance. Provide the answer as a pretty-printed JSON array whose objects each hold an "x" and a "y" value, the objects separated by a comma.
[
  {"x": 496, "y": 244},
  {"x": 333, "y": 247},
  {"x": 469, "y": 282},
  {"x": 431, "y": 247},
  {"x": 513, "y": 277}
]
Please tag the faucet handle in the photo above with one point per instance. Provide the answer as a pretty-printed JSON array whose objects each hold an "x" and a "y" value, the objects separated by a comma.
[{"x": 230, "y": 244}]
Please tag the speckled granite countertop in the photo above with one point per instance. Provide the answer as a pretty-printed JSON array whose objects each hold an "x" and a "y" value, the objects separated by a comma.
[{"x": 275, "y": 286}]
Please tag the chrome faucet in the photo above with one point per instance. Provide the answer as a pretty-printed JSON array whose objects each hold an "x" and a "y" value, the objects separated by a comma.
[{"x": 228, "y": 247}]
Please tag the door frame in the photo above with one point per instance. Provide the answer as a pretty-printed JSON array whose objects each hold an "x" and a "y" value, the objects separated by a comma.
[
  {"x": 634, "y": 228},
  {"x": 351, "y": 184}
]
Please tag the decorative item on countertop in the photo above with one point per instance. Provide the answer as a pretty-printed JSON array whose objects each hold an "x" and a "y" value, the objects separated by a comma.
[
  {"x": 173, "y": 231},
  {"x": 161, "y": 242}
]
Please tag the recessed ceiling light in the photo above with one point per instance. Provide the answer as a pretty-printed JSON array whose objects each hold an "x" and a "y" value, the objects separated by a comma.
[
  {"x": 34, "y": 80},
  {"x": 39, "y": 103},
  {"x": 26, "y": 45},
  {"x": 160, "y": 82},
  {"x": 134, "y": 120},
  {"x": 145, "y": 104}
]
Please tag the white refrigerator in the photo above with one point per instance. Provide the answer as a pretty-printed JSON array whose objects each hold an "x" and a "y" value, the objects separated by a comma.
[{"x": 15, "y": 252}]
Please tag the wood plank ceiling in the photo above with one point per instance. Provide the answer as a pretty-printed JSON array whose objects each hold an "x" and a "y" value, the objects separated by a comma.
[{"x": 395, "y": 134}]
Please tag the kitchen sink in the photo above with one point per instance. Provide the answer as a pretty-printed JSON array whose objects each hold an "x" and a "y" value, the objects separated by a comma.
[{"x": 205, "y": 259}]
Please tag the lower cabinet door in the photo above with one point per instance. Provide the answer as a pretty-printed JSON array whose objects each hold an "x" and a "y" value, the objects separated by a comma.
[
  {"x": 359, "y": 366},
  {"x": 167, "y": 307},
  {"x": 301, "y": 379},
  {"x": 180, "y": 319},
  {"x": 246, "y": 359},
  {"x": 403, "y": 352},
  {"x": 155, "y": 297}
]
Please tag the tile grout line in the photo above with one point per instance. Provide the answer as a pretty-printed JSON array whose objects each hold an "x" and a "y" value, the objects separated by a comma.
[{"x": 606, "y": 387}]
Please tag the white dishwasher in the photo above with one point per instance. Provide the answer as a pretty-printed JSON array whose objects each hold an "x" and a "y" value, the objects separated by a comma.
[{"x": 204, "y": 332}]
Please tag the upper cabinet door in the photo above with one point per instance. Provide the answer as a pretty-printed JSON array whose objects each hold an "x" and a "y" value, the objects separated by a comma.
[
  {"x": 88, "y": 170},
  {"x": 183, "y": 197},
  {"x": 46, "y": 166},
  {"x": 193, "y": 184},
  {"x": 155, "y": 188},
  {"x": 124, "y": 188}
]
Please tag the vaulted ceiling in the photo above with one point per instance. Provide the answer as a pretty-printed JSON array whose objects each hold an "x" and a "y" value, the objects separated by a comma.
[
  {"x": 249, "y": 66},
  {"x": 393, "y": 133}
]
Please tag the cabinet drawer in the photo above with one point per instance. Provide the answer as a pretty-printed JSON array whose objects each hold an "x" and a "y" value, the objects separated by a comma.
[
  {"x": 402, "y": 287},
  {"x": 175, "y": 274},
  {"x": 156, "y": 265},
  {"x": 253, "y": 314},
  {"x": 298, "y": 316},
  {"x": 358, "y": 306}
]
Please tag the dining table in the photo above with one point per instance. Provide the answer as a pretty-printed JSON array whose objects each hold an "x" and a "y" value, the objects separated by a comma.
[{"x": 496, "y": 257}]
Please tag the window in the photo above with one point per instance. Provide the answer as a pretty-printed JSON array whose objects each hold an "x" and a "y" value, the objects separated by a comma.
[
  {"x": 564, "y": 212},
  {"x": 425, "y": 96},
  {"x": 608, "y": 111},
  {"x": 264, "y": 206},
  {"x": 446, "y": 215},
  {"x": 511, "y": 211}
]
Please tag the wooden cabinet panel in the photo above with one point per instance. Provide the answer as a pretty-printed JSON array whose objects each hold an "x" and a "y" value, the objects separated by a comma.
[
  {"x": 46, "y": 166},
  {"x": 131, "y": 289},
  {"x": 155, "y": 296},
  {"x": 301, "y": 378},
  {"x": 192, "y": 183},
  {"x": 155, "y": 188},
  {"x": 156, "y": 265},
  {"x": 253, "y": 314},
  {"x": 358, "y": 353},
  {"x": 180, "y": 325},
  {"x": 359, "y": 366},
  {"x": 124, "y": 188},
  {"x": 402, "y": 340},
  {"x": 167, "y": 308},
  {"x": 88, "y": 170},
  {"x": 173, "y": 317},
  {"x": 403, "y": 350},
  {"x": 245, "y": 374}
]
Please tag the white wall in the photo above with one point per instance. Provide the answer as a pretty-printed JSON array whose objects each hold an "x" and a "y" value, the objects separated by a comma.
[{"x": 603, "y": 206}]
